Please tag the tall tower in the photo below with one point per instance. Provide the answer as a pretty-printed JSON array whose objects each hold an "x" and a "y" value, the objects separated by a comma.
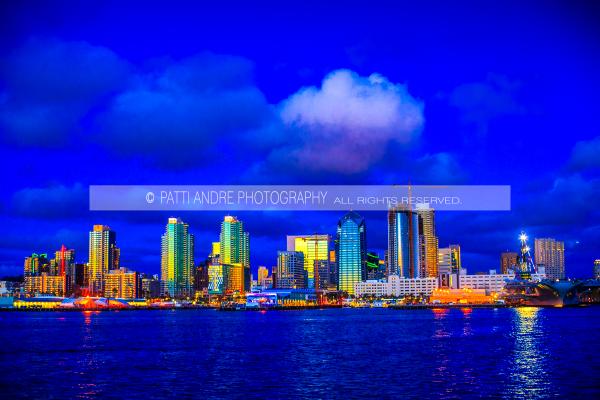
[
  {"x": 102, "y": 250},
  {"x": 550, "y": 253},
  {"x": 290, "y": 270},
  {"x": 177, "y": 259},
  {"x": 351, "y": 251},
  {"x": 235, "y": 250},
  {"x": 316, "y": 257},
  {"x": 403, "y": 242},
  {"x": 428, "y": 242}
]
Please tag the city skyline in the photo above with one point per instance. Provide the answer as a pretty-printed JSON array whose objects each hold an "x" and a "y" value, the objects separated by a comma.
[
  {"x": 448, "y": 259},
  {"x": 495, "y": 121}
]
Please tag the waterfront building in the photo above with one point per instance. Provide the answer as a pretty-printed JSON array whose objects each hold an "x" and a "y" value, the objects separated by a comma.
[
  {"x": 234, "y": 249},
  {"x": 216, "y": 279},
  {"x": 290, "y": 272},
  {"x": 492, "y": 281},
  {"x": 177, "y": 259},
  {"x": 551, "y": 254},
  {"x": 63, "y": 259},
  {"x": 597, "y": 269},
  {"x": 351, "y": 242},
  {"x": 375, "y": 266},
  {"x": 403, "y": 242},
  {"x": 396, "y": 286},
  {"x": 237, "y": 278},
  {"x": 150, "y": 287},
  {"x": 508, "y": 260},
  {"x": 428, "y": 242},
  {"x": 46, "y": 284},
  {"x": 103, "y": 257},
  {"x": 35, "y": 264},
  {"x": 122, "y": 283},
  {"x": 201, "y": 277},
  {"x": 315, "y": 248},
  {"x": 449, "y": 265},
  {"x": 461, "y": 296},
  {"x": 263, "y": 273}
]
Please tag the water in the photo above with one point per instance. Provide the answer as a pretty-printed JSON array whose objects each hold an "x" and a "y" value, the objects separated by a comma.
[{"x": 338, "y": 353}]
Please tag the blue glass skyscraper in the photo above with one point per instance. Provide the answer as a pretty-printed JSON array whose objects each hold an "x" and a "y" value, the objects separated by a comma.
[
  {"x": 403, "y": 242},
  {"x": 351, "y": 251}
]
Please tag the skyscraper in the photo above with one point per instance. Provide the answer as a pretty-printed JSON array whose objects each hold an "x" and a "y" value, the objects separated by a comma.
[
  {"x": 403, "y": 242},
  {"x": 550, "y": 253},
  {"x": 428, "y": 242},
  {"x": 290, "y": 270},
  {"x": 351, "y": 251},
  {"x": 34, "y": 264},
  {"x": 177, "y": 259},
  {"x": 102, "y": 252},
  {"x": 508, "y": 260},
  {"x": 597, "y": 269},
  {"x": 234, "y": 250},
  {"x": 263, "y": 273},
  {"x": 315, "y": 249}
]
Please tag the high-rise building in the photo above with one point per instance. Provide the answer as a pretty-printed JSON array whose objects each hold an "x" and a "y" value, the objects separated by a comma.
[
  {"x": 102, "y": 252},
  {"x": 550, "y": 253},
  {"x": 403, "y": 242},
  {"x": 177, "y": 259},
  {"x": 201, "y": 277},
  {"x": 150, "y": 286},
  {"x": 63, "y": 258},
  {"x": 263, "y": 273},
  {"x": 315, "y": 249},
  {"x": 122, "y": 283},
  {"x": 351, "y": 251},
  {"x": 234, "y": 248},
  {"x": 290, "y": 272},
  {"x": 428, "y": 242},
  {"x": 34, "y": 265},
  {"x": 597, "y": 269},
  {"x": 46, "y": 284},
  {"x": 508, "y": 260}
]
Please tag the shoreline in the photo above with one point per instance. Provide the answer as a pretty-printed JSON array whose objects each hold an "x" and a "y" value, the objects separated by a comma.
[{"x": 295, "y": 308}]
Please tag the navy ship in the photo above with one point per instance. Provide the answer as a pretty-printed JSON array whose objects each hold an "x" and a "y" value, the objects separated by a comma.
[{"x": 523, "y": 290}]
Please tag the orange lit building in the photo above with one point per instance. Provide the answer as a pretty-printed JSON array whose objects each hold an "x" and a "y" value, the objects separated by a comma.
[
  {"x": 461, "y": 296},
  {"x": 122, "y": 283},
  {"x": 45, "y": 284}
]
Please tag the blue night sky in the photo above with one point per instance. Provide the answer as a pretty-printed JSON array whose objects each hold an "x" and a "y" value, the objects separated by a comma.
[{"x": 370, "y": 92}]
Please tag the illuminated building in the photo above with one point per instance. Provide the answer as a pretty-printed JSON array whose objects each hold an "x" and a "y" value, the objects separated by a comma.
[
  {"x": 122, "y": 283},
  {"x": 234, "y": 248},
  {"x": 41, "y": 302},
  {"x": 351, "y": 251},
  {"x": 63, "y": 259},
  {"x": 396, "y": 286},
  {"x": 150, "y": 287},
  {"x": 237, "y": 278},
  {"x": 597, "y": 269},
  {"x": 216, "y": 279},
  {"x": 315, "y": 248},
  {"x": 216, "y": 249},
  {"x": 263, "y": 274},
  {"x": 34, "y": 264},
  {"x": 428, "y": 242},
  {"x": 508, "y": 260},
  {"x": 102, "y": 252},
  {"x": 551, "y": 254},
  {"x": 492, "y": 281},
  {"x": 403, "y": 242},
  {"x": 177, "y": 259},
  {"x": 290, "y": 270},
  {"x": 46, "y": 284},
  {"x": 449, "y": 265},
  {"x": 375, "y": 267},
  {"x": 201, "y": 278},
  {"x": 461, "y": 296}
]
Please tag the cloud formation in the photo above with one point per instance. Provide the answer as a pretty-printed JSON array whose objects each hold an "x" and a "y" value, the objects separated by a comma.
[
  {"x": 346, "y": 125},
  {"x": 586, "y": 155},
  {"x": 178, "y": 116},
  {"x": 50, "y": 85}
]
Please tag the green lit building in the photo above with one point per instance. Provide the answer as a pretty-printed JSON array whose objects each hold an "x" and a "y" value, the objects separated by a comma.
[
  {"x": 234, "y": 251},
  {"x": 177, "y": 259}
]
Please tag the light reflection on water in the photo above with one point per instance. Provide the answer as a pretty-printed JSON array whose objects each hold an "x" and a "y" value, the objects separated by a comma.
[{"x": 528, "y": 372}]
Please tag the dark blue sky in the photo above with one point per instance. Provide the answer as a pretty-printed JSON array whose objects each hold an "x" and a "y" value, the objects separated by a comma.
[{"x": 299, "y": 92}]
